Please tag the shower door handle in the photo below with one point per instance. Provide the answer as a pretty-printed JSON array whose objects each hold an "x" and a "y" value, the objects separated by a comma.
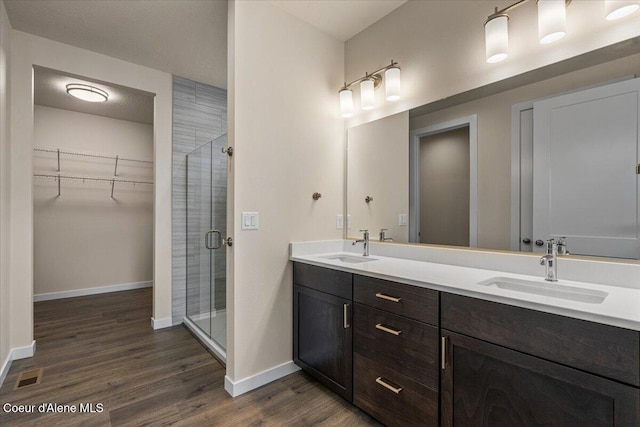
[{"x": 207, "y": 239}]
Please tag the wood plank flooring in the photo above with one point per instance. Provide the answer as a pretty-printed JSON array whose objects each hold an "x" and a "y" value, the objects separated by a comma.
[{"x": 101, "y": 349}]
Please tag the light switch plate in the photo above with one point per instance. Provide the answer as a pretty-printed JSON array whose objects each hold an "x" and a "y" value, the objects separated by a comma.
[
  {"x": 348, "y": 221},
  {"x": 402, "y": 219},
  {"x": 249, "y": 220},
  {"x": 339, "y": 222}
]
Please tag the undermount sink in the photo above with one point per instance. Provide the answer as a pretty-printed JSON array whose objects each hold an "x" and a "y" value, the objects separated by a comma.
[
  {"x": 351, "y": 259},
  {"x": 547, "y": 289}
]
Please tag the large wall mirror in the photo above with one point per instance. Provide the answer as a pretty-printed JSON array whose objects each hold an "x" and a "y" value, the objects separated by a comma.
[{"x": 551, "y": 153}]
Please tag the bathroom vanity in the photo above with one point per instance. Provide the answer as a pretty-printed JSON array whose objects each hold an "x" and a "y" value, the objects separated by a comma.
[{"x": 413, "y": 352}]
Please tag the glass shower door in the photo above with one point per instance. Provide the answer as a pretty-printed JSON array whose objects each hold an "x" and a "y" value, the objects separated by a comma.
[{"x": 206, "y": 249}]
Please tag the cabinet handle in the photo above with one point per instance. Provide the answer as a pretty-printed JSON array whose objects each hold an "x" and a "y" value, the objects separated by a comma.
[
  {"x": 443, "y": 354},
  {"x": 389, "y": 330},
  {"x": 388, "y": 386},
  {"x": 387, "y": 297},
  {"x": 345, "y": 317}
]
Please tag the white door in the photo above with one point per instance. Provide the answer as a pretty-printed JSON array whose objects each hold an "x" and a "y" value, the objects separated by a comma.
[{"x": 585, "y": 170}]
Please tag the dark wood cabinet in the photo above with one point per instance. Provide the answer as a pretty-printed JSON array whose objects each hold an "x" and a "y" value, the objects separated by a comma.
[
  {"x": 396, "y": 353},
  {"x": 484, "y": 384},
  {"x": 412, "y": 356},
  {"x": 322, "y": 341}
]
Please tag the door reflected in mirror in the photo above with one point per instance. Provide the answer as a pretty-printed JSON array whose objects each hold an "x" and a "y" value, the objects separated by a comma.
[{"x": 554, "y": 157}]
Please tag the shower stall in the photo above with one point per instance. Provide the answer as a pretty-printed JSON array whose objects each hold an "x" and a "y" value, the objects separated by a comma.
[{"x": 206, "y": 209}]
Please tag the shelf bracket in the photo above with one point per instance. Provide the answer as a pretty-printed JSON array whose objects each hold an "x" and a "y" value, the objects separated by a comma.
[
  {"x": 113, "y": 183},
  {"x": 58, "y": 150},
  {"x": 115, "y": 171}
]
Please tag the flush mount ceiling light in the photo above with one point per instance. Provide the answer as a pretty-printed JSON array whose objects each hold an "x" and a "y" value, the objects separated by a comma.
[
  {"x": 368, "y": 84},
  {"x": 87, "y": 93},
  {"x": 616, "y": 9}
]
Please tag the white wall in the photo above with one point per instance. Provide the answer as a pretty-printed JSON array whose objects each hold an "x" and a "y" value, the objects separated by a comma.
[
  {"x": 440, "y": 47},
  {"x": 86, "y": 239},
  {"x": 27, "y": 51},
  {"x": 288, "y": 137},
  {"x": 5, "y": 188},
  {"x": 378, "y": 166}
]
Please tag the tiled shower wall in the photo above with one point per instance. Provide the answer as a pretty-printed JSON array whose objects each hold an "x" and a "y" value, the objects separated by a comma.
[{"x": 199, "y": 116}]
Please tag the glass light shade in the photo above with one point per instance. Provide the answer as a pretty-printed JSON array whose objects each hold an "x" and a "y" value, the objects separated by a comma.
[
  {"x": 392, "y": 83},
  {"x": 552, "y": 20},
  {"x": 616, "y": 9},
  {"x": 496, "y": 36},
  {"x": 87, "y": 93},
  {"x": 346, "y": 103},
  {"x": 367, "y": 95}
]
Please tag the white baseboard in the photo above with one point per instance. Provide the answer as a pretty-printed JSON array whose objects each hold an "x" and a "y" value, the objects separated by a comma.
[
  {"x": 258, "y": 380},
  {"x": 92, "y": 291},
  {"x": 15, "y": 354},
  {"x": 161, "y": 323}
]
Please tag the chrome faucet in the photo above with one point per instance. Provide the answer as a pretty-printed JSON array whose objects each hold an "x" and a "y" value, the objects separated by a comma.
[
  {"x": 562, "y": 246},
  {"x": 383, "y": 237},
  {"x": 365, "y": 240},
  {"x": 550, "y": 261}
]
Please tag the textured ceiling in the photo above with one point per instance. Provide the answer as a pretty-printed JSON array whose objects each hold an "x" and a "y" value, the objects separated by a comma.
[
  {"x": 124, "y": 103},
  {"x": 187, "y": 38},
  {"x": 340, "y": 19}
]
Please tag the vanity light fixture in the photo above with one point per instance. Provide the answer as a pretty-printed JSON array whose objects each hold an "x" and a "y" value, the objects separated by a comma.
[
  {"x": 552, "y": 20},
  {"x": 616, "y": 9},
  {"x": 87, "y": 93},
  {"x": 551, "y": 27},
  {"x": 368, "y": 84},
  {"x": 496, "y": 33}
]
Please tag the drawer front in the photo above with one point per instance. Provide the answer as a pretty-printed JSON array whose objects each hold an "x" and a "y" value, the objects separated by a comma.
[
  {"x": 333, "y": 282},
  {"x": 401, "y": 344},
  {"x": 392, "y": 398},
  {"x": 600, "y": 349},
  {"x": 406, "y": 300}
]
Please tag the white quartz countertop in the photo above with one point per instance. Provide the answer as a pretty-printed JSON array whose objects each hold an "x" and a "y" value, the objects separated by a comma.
[{"x": 620, "y": 308}]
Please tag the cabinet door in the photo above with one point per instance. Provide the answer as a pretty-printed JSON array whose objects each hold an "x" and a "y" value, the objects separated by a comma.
[
  {"x": 487, "y": 385},
  {"x": 322, "y": 338}
]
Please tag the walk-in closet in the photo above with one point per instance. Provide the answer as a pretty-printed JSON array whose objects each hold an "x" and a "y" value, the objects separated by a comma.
[{"x": 93, "y": 182}]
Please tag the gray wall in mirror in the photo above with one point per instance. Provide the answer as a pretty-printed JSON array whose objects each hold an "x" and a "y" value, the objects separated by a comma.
[{"x": 494, "y": 141}]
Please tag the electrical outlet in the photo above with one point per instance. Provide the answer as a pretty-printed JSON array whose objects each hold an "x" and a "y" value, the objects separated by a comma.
[
  {"x": 348, "y": 221},
  {"x": 339, "y": 222},
  {"x": 402, "y": 219}
]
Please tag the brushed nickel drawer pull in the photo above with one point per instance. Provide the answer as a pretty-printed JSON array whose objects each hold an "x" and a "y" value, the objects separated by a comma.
[
  {"x": 389, "y": 330},
  {"x": 345, "y": 312},
  {"x": 387, "y": 297},
  {"x": 388, "y": 386},
  {"x": 443, "y": 353}
]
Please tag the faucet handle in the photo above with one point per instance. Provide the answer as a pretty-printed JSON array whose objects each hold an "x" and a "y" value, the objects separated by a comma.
[
  {"x": 364, "y": 231},
  {"x": 384, "y": 229}
]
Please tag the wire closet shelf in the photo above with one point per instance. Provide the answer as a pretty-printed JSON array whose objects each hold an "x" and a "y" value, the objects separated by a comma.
[{"x": 58, "y": 177}]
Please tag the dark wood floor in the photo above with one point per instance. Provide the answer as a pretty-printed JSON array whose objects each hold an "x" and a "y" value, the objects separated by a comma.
[{"x": 101, "y": 349}]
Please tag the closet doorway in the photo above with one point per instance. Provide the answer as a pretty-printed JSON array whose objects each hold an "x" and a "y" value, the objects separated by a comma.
[
  {"x": 443, "y": 183},
  {"x": 93, "y": 186}
]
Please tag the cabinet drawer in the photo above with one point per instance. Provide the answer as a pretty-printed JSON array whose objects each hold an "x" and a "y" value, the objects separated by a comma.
[
  {"x": 403, "y": 345},
  {"x": 410, "y": 301},
  {"x": 600, "y": 349},
  {"x": 333, "y": 282},
  {"x": 411, "y": 404}
]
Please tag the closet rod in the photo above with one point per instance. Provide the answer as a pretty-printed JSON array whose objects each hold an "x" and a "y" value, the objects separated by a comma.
[
  {"x": 95, "y": 156},
  {"x": 112, "y": 181},
  {"x": 90, "y": 178}
]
